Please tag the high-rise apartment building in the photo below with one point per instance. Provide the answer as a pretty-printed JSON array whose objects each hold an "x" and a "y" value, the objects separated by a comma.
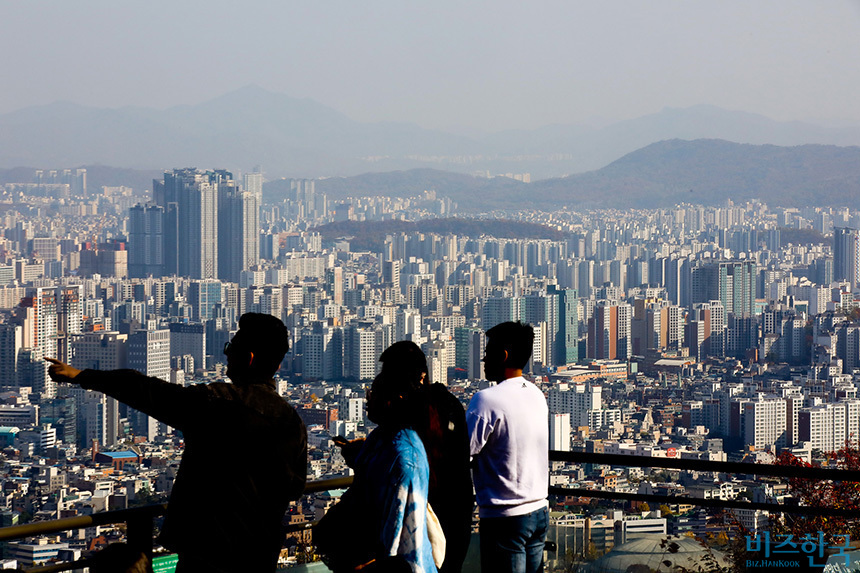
[
  {"x": 364, "y": 341},
  {"x": 105, "y": 259},
  {"x": 205, "y": 225},
  {"x": 92, "y": 413},
  {"x": 190, "y": 201},
  {"x": 269, "y": 246},
  {"x": 731, "y": 282},
  {"x": 43, "y": 301},
  {"x": 70, "y": 317},
  {"x": 149, "y": 353},
  {"x": 544, "y": 307},
  {"x": 657, "y": 324},
  {"x": 764, "y": 422},
  {"x": 567, "y": 341},
  {"x": 203, "y": 296},
  {"x": 678, "y": 280},
  {"x": 697, "y": 333},
  {"x": 610, "y": 331},
  {"x": 469, "y": 345},
  {"x": 334, "y": 283},
  {"x": 38, "y": 317},
  {"x": 11, "y": 342},
  {"x": 585, "y": 271},
  {"x": 102, "y": 350},
  {"x": 741, "y": 335},
  {"x": 98, "y": 414},
  {"x": 559, "y": 432},
  {"x": 146, "y": 241},
  {"x": 189, "y": 339},
  {"x": 407, "y": 325},
  {"x": 829, "y": 426},
  {"x": 577, "y": 400},
  {"x": 363, "y": 352},
  {"x": 253, "y": 183},
  {"x": 846, "y": 255},
  {"x": 437, "y": 352},
  {"x": 76, "y": 179},
  {"x": 238, "y": 230},
  {"x": 266, "y": 300},
  {"x": 306, "y": 202},
  {"x": 322, "y": 352},
  {"x": 499, "y": 308}
]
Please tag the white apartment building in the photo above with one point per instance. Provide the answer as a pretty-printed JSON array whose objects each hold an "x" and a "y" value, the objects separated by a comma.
[
  {"x": 764, "y": 422},
  {"x": 827, "y": 427},
  {"x": 576, "y": 400},
  {"x": 99, "y": 350},
  {"x": 559, "y": 432}
]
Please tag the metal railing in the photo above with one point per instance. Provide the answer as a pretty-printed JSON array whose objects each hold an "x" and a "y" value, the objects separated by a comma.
[
  {"x": 140, "y": 520},
  {"x": 689, "y": 464}
]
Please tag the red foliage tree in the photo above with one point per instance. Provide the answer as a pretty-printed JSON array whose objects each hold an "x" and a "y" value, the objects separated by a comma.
[{"x": 825, "y": 494}]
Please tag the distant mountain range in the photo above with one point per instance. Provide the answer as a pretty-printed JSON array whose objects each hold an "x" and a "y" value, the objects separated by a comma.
[
  {"x": 705, "y": 171},
  {"x": 292, "y": 137},
  {"x": 662, "y": 174},
  {"x": 702, "y": 154}
]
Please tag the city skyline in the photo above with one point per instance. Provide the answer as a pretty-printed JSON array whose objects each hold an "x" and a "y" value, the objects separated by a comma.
[
  {"x": 710, "y": 333},
  {"x": 696, "y": 285}
]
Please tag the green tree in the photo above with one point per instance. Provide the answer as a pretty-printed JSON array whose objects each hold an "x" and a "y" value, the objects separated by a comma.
[{"x": 144, "y": 496}]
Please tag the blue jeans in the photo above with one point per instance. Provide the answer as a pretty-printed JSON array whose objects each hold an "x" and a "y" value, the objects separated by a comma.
[{"x": 513, "y": 544}]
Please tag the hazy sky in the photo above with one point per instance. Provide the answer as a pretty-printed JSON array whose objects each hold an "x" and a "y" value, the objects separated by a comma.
[{"x": 464, "y": 64}]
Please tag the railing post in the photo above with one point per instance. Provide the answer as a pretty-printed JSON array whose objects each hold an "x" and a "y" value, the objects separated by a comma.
[{"x": 139, "y": 532}]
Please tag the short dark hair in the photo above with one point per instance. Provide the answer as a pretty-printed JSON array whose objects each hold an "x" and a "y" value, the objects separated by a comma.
[
  {"x": 515, "y": 337},
  {"x": 267, "y": 337},
  {"x": 394, "y": 400},
  {"x": 405, "y": 359}
]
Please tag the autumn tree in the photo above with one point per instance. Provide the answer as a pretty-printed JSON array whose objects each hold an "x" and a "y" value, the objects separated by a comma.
[{"x": 823, "y": 494}]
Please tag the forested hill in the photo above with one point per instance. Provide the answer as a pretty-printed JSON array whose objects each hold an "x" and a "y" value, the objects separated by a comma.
[
  {"x": 370, "y": 235},
  {"x": 709, "y": 172}
]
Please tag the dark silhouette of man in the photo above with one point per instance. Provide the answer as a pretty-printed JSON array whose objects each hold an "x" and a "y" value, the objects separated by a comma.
[{"x": 245, "y": 452}]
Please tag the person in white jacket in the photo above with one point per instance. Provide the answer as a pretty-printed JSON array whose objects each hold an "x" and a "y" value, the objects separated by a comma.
[{"x": 509, "y": 442}]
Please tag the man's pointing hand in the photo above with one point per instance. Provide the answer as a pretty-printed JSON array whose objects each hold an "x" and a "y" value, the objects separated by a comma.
[{"x": 61, "y": 372}]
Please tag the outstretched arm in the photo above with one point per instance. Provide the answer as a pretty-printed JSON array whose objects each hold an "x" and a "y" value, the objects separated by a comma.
[{"x": 170, "y": 403}]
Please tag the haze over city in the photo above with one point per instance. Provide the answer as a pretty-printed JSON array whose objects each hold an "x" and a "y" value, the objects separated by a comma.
[{"x": 465, "y": 67}]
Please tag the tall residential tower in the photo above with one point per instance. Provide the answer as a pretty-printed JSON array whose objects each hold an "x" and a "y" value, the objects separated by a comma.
[{"x": 846, "y": 255}]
